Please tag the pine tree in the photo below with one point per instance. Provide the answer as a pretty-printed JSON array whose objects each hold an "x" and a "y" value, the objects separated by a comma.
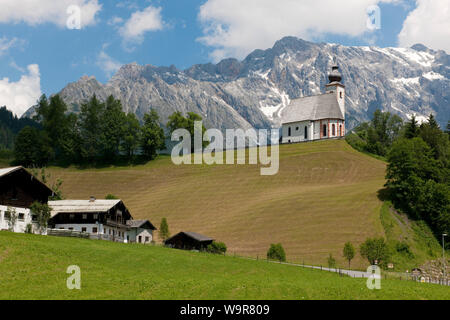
[
  {"x": 152, "y": 135},
  {"x": 412, "y": 128},
  {"x": 164, "y": 229}
]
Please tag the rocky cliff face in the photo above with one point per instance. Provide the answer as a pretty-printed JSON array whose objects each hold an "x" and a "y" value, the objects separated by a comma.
[{"x": 253, "y": 92}]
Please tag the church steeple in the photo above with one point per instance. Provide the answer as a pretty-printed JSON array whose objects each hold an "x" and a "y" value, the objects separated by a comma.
[
  {"x": 335, "y": 75},
  {"x": 335, "y": 86}
]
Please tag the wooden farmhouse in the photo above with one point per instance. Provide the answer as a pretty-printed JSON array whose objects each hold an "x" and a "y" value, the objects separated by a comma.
[
  {"x": 189, "y": 241},
  {"x": 97, "y": 219},
  {"x": 19, "y": 189},
  {"x": 102, "y": 219}
]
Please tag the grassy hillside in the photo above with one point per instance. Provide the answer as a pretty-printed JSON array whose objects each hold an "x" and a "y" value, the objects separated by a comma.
[
  {"x": 34, "y": 267},
  {"x": 324, "y": 195}
]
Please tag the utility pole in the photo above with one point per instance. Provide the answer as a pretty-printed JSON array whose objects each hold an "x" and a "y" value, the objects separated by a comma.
[{"x": 443, "y": 253}]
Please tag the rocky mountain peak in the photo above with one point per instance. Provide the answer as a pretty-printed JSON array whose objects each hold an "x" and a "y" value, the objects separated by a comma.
[{"x": 253, "y": 92}]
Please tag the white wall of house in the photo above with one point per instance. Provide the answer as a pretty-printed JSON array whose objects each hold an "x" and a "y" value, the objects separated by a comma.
[
  {"x": 315, "y": 130},
  {"x": 104, "y": 232},
  {"x": 146, "y": 236},
  {"x": 24, "y": 217},
  {"x": 295, "y": 132}
]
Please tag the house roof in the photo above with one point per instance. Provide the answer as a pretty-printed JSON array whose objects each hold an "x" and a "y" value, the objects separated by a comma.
[
  {"x": 21, "y": 171},
  {"x": 82, "y": 206},
  {"x": 6, "y": 171},
  {"x": 140, "y": 224},
  {"x": 324, "y": 106},
  {"x": 193, "y": 235}
]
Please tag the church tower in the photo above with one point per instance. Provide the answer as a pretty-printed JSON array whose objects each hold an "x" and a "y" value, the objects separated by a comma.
[{"x": 335, "y": 85}]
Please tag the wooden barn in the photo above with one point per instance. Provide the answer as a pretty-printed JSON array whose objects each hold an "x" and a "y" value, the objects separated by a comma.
[
  {"x": 188, "y": 241},
  {"x": 19, "y": 189}
]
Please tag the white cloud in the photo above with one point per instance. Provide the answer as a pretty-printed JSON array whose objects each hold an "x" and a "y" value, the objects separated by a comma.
[
  {"x": 34, "y": 12},
  {"x": 140, "y": 22},
  {"x": 6, "y": 44},
  {"x": 115, "y": 21},
  {"x": 236, "y": 27},
  {"x": 19, "y": 96},
  {"x": 428, "y": 24},
  {"x": 108, "y": 64}
]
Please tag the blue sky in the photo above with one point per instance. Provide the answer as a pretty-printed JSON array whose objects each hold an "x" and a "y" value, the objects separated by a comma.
[{"x": 39, "y": 53}]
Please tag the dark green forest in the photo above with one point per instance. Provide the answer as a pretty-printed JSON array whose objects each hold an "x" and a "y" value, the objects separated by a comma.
[
  {"x": 101, "y": 134},
  {"x": 418, "y": 170},
  {"x": 10, "y": 126}
]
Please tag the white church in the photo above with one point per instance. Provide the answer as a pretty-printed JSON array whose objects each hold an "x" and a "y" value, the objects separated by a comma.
[{"x": 317, "y": 117}]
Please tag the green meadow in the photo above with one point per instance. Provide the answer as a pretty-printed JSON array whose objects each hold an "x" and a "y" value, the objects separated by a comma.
[{"x": 34, "y": 267}]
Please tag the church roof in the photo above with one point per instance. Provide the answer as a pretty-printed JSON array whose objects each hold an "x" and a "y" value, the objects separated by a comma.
[{"x": 324, "y": 106}]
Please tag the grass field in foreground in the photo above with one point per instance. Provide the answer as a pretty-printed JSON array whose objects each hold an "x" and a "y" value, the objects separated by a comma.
[
  {"x": 34, "y": 267},
  {"x": 324, "y": 195}
]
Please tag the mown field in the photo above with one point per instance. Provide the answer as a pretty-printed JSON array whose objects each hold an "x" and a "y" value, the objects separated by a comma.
[
  {"x": 34, "y": 267},
  {"x": 324, "y": 195}
]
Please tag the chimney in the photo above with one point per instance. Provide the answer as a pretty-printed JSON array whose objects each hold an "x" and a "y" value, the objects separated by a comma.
[{"x": 92, "y": 199}]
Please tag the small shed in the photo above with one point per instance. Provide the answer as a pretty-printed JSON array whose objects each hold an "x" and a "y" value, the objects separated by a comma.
[
  {"x": 189, "y": 241},
  {"x": 141, "y": 231}
]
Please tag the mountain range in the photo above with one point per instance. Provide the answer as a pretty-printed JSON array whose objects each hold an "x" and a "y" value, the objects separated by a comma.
[{"x": 253, "y": 92}]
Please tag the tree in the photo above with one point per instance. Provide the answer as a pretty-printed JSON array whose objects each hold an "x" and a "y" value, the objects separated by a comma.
[
  {"x": 91, "y": 128},
  {"x": 164, "y": 229},
  {"x": 412, "y": 128},
  {"x": 112, "y": 120},
  {"x": 51, "y": 114},
  {"x": 410, "y": 165},
  {"x": 377, "y": 135},
  {"x": 111, "y": 197},
  {"x": 349, "y": 252},
  {"x": 331, "y": 261},
  {"x": 32, "y": 148},
  {"x": 375, "y": 251},
  {"x": 437, "y": 140},
  {"x": 43, "y": 213},
  {"x": 12, "y": 216},
  {"x": 152, "y": 135},
  {"x": 71, "y": 142},
  {"x": 276, "y": 252},
  {"x": 131, "y": 135},
  {"x": 178, "y": 121}
]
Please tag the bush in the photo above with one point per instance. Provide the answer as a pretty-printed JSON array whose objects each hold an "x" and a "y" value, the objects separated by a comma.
[
  {"x": 217, "y": 248},
  {"x": 276, "y": 252},
  {"x": 404, "y": 249},
  {"x": 331, "y": 262},
  {"x": 29, "y": 228},
  {"x": 356, "y": 142},
  {"x": 375, "y": 250}
]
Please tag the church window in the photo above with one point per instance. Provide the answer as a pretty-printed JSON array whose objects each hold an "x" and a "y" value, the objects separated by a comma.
[
  {"x": 306, "y": 133},
  {"x": 340, "y": 129},
  {"x": 334, "y": 129},
  {"x": 289, "y": 131},
  {"x": 340, "y": 94},
  {"x": 324, "y": 129}
]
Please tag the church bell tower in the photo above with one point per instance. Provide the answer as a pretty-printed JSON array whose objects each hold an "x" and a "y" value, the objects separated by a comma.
[{"x": 335, "y": 85}]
